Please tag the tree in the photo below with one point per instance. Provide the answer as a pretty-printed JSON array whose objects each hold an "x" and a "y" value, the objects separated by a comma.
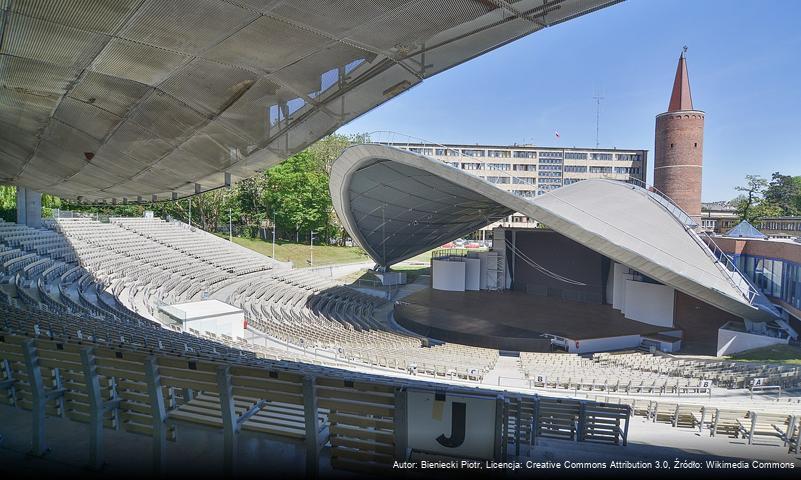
[
  {"x": 784, "y": 191},
  {"x": 329, "y": 148},
  {"x": 298, "y": 192},
  {"x": 753, "y": 190}
]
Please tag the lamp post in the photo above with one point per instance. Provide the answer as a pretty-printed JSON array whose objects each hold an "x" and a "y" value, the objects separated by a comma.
[
  {"x": 273, "y": 233},
  {"x": 311, "y": 249}
]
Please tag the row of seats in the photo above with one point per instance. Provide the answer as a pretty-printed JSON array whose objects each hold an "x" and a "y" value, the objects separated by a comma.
[
  {"x": 308, "y": 311},
  {"x": 724, "y": 373},
  {"x": 573, "y": 372},
  {"x": 780, "y": 423},
  {"x": 143, "y": 263}
]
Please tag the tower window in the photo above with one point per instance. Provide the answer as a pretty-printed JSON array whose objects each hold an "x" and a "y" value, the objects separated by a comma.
[
  {"x": 671, "y": 145},
  {"x": 695, "y": 144}
]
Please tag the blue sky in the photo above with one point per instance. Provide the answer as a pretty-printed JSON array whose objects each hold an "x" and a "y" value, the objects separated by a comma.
[{"x": 744, "y": 62}]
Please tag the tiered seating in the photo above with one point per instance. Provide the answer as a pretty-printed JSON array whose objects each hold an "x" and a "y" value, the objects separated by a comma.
[
  {"x": 569, "y": 371},
  {"x": 160, "y": 380},
  {"x": 766, "y": 421},
  {"x": 307, "y": 311},
  {"x": 723, "y": 373}
]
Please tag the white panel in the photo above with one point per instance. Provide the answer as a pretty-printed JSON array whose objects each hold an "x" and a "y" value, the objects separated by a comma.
[
  {"x": 482, "y": 282},
  {"x": 730, "y": 342},
  {"x": 431, "y": 425},
  {"x": 591, "y": 345},
  {"x": 619, "y": 286},
  {"x": 448, "y": 276},
  {"x": 472, "y": 274},
  {"x": 649, "y": 303}
]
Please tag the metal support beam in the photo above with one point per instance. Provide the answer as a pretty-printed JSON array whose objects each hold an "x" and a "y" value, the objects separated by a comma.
[
  {"x": 95, "y": 409},
  {"x": 312, "y": 427},
  {"x": 159, "y": 413},
  {"x": 500, "y": 418},
  {"x": 229, "y": 420},
  {"x": 40, "y": 398},
  {"x": 401, "y": 424}
]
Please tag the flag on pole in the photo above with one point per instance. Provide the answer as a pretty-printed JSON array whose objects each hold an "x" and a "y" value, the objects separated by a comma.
[{"x": 556, "y": 133}]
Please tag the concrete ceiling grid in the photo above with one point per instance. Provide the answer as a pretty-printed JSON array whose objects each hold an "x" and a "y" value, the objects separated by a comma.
[{"x": 134, "y": 98}]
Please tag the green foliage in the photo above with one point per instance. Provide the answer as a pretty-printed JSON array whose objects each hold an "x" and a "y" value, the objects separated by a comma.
[
  {"x": 297, "y": 191},
  {"x": 746, "y": 203},
  {"x": 293, "y": 193},
  {"x": 762, "y": 198},
  {"x": 784, "y": 191}
]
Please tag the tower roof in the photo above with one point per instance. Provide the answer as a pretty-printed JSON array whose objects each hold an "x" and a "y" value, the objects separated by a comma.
[{"x": 681, "y": 99}]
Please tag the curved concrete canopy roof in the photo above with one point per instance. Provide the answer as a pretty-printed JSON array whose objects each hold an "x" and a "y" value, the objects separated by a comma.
[
  {"x": 397, "y": 204},
  {"x": 108, "y": 99}
]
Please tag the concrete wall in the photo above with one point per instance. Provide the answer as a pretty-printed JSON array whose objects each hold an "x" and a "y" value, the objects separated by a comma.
[
  {"x": 448, "y": 276},
  {"x": 649, "y": 303},
  {"x": 730, "y": 341},
  {"x": 700, "y": 323},
  {"x": 29, "y": 207},
  {"x": 232, "y": 324}
]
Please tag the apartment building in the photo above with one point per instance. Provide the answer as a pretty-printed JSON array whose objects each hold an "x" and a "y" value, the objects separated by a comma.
[{"x": 529, "y": 170}]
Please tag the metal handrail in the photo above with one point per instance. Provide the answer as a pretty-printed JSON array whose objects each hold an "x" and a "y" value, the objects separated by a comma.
[{"x": 724, "y": 263}]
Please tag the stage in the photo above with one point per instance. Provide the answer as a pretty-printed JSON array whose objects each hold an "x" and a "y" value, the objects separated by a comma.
[{"x": 512, "y": 320}]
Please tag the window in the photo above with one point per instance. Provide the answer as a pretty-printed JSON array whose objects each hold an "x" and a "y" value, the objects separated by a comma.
[
  {"x": 421, "y": 151},
  {"x": 498, "y": 166},
  {"x": 568, "y": 181},
  {"x": 575, "y": 168},
  {"x": 498, "y": 180},
  {"x": 551, "y": 161},
  {"x": 629, "y": 157},
  {"x": 471, "y": 166},
  {"x": 524, "y": 154},
  {"x": 446, "y": 152},
  {"x": 601, "y": 156},
  {"x": 525, "y": 168},
  {"x": 498, "y": 153},
  {"x": 557, "y": 168},
  {"x": 597, "y": 169},
  {"x": 524, "y": 193},
  {"x": 575, "y": 156},
  {"x": 628, "y": 170},
  {"x": 523, "y": 180},
  {"x": 473, "y": 153},
  {"x": 550, "y": 174},
  {"x": 550, "y": 154}
]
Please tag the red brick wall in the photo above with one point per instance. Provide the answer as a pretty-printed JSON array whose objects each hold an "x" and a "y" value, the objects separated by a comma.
[{"x": 678, "y": 158}]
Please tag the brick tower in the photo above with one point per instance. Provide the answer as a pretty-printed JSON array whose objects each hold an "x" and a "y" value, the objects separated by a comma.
[{"x": 679, "y": 146}]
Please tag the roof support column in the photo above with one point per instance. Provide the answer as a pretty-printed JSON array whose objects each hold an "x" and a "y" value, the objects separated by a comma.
[{"x": 29, "y": 207}]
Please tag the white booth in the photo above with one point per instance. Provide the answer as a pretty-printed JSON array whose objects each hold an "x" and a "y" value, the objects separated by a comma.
[{"x": 211, "y": 316}]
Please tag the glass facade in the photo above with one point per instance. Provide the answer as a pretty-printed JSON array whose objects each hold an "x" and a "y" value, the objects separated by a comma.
[{"x": 776, "y": 278}]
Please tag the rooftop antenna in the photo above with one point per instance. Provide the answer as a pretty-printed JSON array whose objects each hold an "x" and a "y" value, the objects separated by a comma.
[{"x": 598, "y": 97}]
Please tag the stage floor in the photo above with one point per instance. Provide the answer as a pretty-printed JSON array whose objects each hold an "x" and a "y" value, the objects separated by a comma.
[{"x": 511, "y": 318}]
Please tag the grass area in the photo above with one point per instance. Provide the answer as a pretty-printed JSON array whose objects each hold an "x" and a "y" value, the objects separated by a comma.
[
  {"x": 788, "y": 354},
  {"x": 298, "y": 253}
]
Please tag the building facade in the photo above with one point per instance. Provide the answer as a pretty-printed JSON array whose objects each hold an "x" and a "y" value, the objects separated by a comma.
[
  {"x": 528, "y": 170},
  {"x": 718, "y": 217}
]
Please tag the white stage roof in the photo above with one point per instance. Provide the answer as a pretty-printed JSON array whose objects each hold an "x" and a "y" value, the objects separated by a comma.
[{"x": 397, "y": 204}]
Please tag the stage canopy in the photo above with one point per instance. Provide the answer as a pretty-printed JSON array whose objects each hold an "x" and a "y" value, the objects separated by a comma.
[{"x": 397, "y": 204}]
